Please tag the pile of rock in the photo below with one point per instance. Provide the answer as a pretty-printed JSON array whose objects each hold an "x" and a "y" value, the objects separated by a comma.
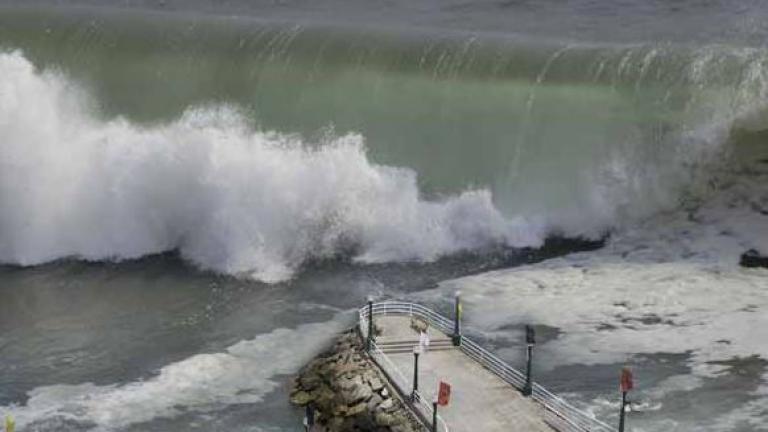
[
  {"x": 753, "y": 258},
  {"x": 349, "y": 393}
]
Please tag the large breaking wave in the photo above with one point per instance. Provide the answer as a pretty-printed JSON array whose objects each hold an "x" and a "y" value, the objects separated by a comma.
[
  {"x": 227, "y": 198},
  {"x": 480, "y": 150}
]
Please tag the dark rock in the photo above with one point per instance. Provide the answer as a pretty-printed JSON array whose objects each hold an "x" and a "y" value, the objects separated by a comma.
[
  {"x": 385, "y": 405},
  {"x": 357, "y": 409},
  {"x": 385, "y": 419},
  {"x": 349, "y": 382},
  {"x": 375, "y": 383},
  {"x": 324, "y": 396},
  {"x": 310, "y": 382},
  {"x": 301, "y": 398},
  {"x": 752, "y": 258},
  {"x": 357, "y": 393},
  {"x": 373, "y": 402}
]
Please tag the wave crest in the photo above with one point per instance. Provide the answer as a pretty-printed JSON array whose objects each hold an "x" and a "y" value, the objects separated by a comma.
[{"x": 230, "y": 199}]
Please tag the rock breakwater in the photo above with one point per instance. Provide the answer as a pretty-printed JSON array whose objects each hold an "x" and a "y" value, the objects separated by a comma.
[{"x": 350, "y": 393}]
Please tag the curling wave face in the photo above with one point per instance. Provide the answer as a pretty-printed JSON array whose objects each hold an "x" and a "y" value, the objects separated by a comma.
[
  {"x": 228, "y": 198},
  {"x": 127, "y": 137}
]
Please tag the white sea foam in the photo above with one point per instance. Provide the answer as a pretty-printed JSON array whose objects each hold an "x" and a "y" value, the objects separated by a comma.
[
  {"x": 244, "y": 373},
  {"x": 228, "y": 198},
  {"x": 671, "y": 276}
]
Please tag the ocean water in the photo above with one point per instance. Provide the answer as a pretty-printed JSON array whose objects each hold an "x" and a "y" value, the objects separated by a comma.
[{"x": 195, "y": 196}]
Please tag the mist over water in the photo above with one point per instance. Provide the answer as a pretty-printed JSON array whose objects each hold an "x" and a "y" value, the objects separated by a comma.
[{"x": 296, "y": 164}]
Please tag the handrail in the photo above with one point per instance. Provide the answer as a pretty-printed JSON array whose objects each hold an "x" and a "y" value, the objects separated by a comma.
[
  {"x": 558, "y": 413},
  {"x": 402, "y": 384}
]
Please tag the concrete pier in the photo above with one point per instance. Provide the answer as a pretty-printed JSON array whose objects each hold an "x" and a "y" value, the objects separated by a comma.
[{"x": 480, "y": 400}]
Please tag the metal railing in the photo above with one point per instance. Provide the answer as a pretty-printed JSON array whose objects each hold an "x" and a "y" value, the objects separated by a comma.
[
  {"x": 397, "y": 378},
  {"x": 558, "y": 413}
]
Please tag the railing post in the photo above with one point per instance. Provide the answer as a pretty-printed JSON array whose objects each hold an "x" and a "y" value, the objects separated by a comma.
[
  {"x": 530, "y": 341},
  {"x": 457, "y": 320},
  {"x": 369, "y": 341}
]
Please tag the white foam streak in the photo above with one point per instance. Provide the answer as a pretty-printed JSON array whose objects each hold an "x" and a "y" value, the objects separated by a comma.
[
  {"x": 230, "y": 199},
  {"x": 241, "y": 374}
]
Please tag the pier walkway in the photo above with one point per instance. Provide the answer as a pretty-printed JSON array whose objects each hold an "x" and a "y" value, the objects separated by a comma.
[
  {"x": 480, "y": 401},
  {"x": 485, "y": 391}
]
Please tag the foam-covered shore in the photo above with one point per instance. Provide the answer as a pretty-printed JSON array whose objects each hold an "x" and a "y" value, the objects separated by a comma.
[{"x": 670, "y": 286}]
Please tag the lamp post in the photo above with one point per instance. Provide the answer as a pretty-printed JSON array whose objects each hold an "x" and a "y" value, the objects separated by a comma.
[
  {"x": 623, "y": 412},
  {"x": 530, "y": 341},
  {"x": 369, "y": 340},
  {"x": 434, "y": 415},
  {"x": 457, "y": 320},
  {"x": 416, "y": 352}
]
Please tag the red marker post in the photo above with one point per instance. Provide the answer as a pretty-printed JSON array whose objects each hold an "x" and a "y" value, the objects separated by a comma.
[
  {"x": 444, "y": 394},
  {"x": 626, "y": 383},
  {"x": 443, "y": 398}
]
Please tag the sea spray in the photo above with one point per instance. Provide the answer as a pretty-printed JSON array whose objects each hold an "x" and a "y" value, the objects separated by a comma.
[{"x": 228, "y": 198}]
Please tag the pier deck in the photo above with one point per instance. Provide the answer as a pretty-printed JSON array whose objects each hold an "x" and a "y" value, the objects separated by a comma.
[{"x": 480, "y": 400}]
